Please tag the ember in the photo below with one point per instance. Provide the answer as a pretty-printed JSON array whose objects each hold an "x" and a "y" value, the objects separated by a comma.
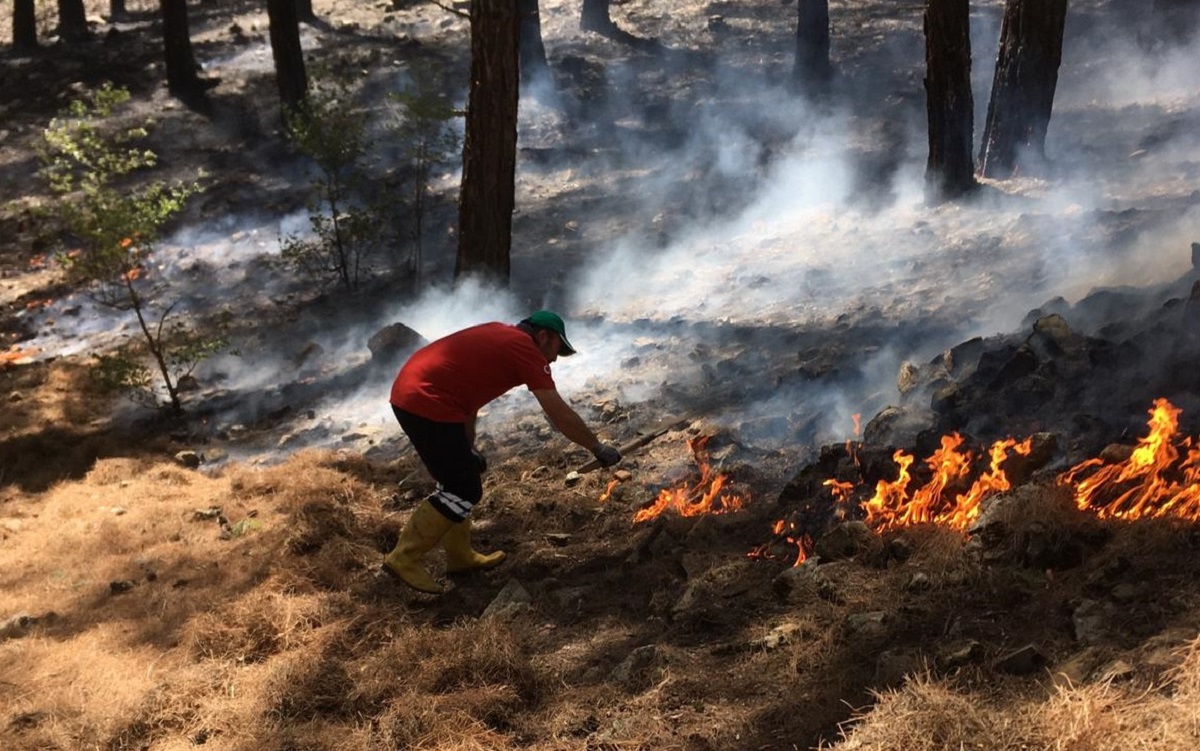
[
  {"x": 785, "y": 530},
  {"x": 705, "y": 496}
]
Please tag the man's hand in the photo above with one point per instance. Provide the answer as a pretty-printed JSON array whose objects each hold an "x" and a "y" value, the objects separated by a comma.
[
  {"x": 480, "y": 461},
  {"x": 606, "y": 454}
]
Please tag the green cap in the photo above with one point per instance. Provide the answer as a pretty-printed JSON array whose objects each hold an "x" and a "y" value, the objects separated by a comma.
[{"x": 546, "y": 319}]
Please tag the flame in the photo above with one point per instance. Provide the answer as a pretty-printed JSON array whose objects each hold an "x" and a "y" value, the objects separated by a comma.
[
  {"x": 134, "y": 273},
  {"x": 1161, "y": 478},
  {"x": 17, "y": 356},
  {"x": 705, "y": 496},
  {"x": 34, "y": 304},
  {"x": 1152, "y": 482},
  {"x": 892, "y": 505},
  {"x": 786, "y": 530},
  {"x": 608, "y": 491}
]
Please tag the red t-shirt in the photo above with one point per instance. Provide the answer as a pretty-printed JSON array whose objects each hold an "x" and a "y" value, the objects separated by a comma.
[{"x": 451, "y": 378}]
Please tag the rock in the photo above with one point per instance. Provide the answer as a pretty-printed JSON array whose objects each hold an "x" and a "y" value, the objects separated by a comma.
[
  {"x": 893, "y": 666},
  {"x": 393, "y": 343},
  {"x": 781, "y": 635},
  {"x": 908, "y": 378},
  {"x": 843, "y": 541},
  {"x": 959, "y": 654},
  {"x": 872, "y": 625},
  {"x": 1077, "y": 668},
  {"x": 637, "y": 671},
  {"x": 1093, "y": 621},
  {"x": 189, "y": 459},
  {"x": 17, "y": 626},
  {"x": 121, "y": 587},
  {"x": 511, "y": 601},
  {"x": 1024, "y": 661},
  {"x": 897, "y": 426}
]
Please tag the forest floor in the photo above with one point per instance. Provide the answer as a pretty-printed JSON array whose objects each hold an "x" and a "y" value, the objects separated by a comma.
[{"x": 212, "y": 580}]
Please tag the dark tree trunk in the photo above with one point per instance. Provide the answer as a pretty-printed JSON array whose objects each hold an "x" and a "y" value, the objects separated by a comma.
[
  {"x": 1014, "y": 134},
  {"x": 595, "y": 16},
  {"x": 290, "y": 75},
  {"x": 72, "y": 21},
  {"x": 533, "y": 50},
  {"x": 812, "y": 69},
  {"x": 304, "y": 11},
  {"x": 949, "y": 171},
  {"x": 490, "y": 145},
  {"x": 116, "y": 10},
  {"x": 24, "y": 28},
  {"x": 182, "y": 78}
]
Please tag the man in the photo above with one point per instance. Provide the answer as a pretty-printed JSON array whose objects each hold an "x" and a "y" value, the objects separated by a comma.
[{"x": 437, "y": 396}]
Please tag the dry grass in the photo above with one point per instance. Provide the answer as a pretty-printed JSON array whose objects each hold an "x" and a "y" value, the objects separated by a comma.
[{"x": 929, "y": 714}]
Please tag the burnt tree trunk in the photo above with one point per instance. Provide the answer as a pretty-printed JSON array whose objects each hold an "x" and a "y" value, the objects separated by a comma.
[
  {"x": 72, "y": 21},
  {"x": 812, "y": 69},
  {"x": 533, "y": 50},
  {"x": 290, "y": 75},
  {"x": 305, "y": 12},
  {"x": 487, "y": 196},
  {"x": 24, "y": 28},
  {"x": 1018, "y": 116},
  {"x": 949, "y": 171},
  {"x": 183, "y": 79}
]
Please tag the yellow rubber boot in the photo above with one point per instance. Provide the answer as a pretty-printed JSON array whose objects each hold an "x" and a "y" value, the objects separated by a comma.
[
  {"x": 460, "y": 556},
  {"x": 424, "y": 530}
]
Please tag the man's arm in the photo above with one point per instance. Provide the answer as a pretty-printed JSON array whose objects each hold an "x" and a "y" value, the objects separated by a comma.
[{"x": 566, "y": 420}]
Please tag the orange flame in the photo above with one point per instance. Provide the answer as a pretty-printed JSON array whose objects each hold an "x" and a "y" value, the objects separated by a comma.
[
  {"x": 17, "y": 356},
  {"x": 1161, "y": 478},
  {"x": 1152, "y": 482},
  {"x": 608, "y": 491},
  {"x": 786, "y": 530},
  {"x": 892, "y": 506},
  {"x": 705, "y": 496}
]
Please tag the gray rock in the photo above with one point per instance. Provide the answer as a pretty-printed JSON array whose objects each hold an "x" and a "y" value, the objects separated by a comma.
[{"x": 511, "y": 601}]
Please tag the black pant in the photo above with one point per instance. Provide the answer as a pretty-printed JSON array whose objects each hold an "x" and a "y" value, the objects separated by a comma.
[{"x": 446, "y": 453}]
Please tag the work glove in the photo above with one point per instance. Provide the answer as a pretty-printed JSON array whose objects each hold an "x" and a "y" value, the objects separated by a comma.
[
  {"x": 480, "y": 461},
  {"x": 606, "y": 454}
]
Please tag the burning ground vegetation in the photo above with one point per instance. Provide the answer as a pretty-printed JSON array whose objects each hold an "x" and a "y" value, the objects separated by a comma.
[{"x": 981, "y": 595}]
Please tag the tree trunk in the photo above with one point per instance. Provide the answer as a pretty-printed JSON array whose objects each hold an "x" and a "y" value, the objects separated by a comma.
[
  {"x": 490, "y": 146},
  {"x": 182, "y": 78},
  {"x": 305, "y": 12},
  {"x": 24, "y": 28},
  {"x": 595, "y": 16},
  {"x": 533, "y": 50},
  {"x": 1022, "y": 99},
  {"x": 812, "y": 69},
  {"x": 72, "y": 21},
  {"x": 290, "y": 75},
  {"x": 949, "y": 171},
  {"x": 116, "y": 10}
]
